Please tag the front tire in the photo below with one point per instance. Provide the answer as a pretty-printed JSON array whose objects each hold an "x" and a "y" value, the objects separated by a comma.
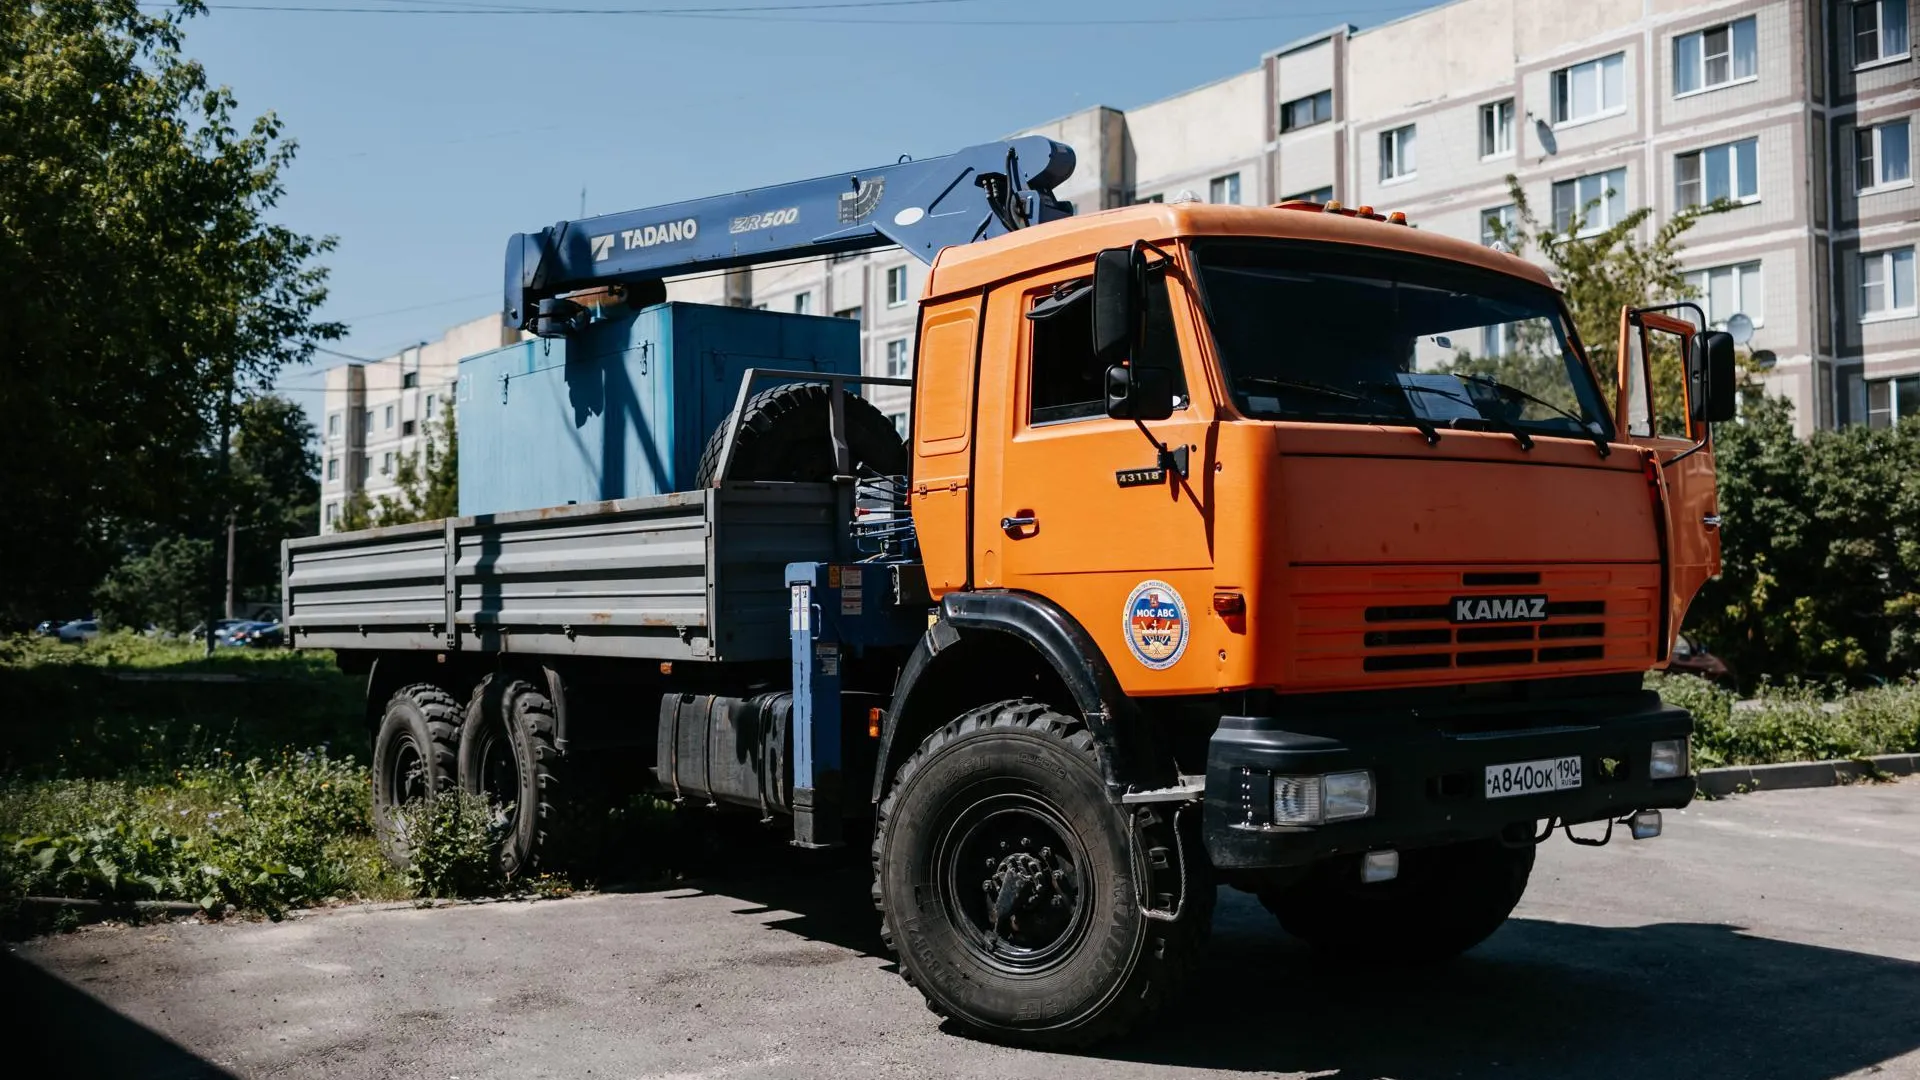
[
  {"x": 1009, "y": 887},
  {"x": 1445, "y": 901},
  {"x": 508, "y": 755}
]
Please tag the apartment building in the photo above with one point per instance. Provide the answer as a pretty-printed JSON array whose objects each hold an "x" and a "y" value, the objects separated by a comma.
[
  {"x": 376, "y": 414},
  {"x": 1798, "y": 111}
]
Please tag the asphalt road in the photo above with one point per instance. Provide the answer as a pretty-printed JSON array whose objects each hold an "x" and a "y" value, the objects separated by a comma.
[{"x": 1772, "y": 935}]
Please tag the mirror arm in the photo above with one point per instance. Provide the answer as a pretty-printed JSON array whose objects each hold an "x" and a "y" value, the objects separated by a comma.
[{"x": 1691, "y": 450}]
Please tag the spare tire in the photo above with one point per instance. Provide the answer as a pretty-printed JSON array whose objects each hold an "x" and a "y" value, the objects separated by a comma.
[{"x": 784, "y": 437}]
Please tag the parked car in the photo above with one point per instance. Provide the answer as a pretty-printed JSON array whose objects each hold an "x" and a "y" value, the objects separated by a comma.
[
  {"x": 1692, "y": 658},
  {"x": 78, "y": 631},
  {"x": 236, "y": 634},
  {"x": 266, "y": 636},
  {"x": 49, "y": 627}
]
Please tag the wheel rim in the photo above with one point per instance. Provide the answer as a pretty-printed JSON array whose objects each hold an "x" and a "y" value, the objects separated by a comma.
[
  {"x": 407, "y": 774},
  {"x": 499, "y": 774},
  {"x": 1011, "y": 873}
]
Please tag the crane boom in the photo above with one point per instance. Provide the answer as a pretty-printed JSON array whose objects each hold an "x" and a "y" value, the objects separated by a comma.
[{"x": 923, "y": 206}]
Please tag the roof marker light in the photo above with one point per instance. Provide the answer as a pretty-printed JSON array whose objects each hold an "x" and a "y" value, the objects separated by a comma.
[{"x": 1396, "y": 218}]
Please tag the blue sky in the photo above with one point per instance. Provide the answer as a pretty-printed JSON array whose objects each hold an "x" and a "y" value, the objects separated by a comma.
[{"x": 426, "y": 139}]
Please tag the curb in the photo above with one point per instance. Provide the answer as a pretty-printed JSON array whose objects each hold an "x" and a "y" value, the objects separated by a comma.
[{"x": 1739, "y": 779}]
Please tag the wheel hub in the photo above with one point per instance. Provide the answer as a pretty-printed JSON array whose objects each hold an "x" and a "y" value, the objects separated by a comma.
[{"x": 1021, "y": 883}]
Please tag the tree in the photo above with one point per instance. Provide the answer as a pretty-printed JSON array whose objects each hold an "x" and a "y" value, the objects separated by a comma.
[
  {"x": 166, "y": 586},
  {"x": 429, "y": 484},
  {"x": 143, "y": 279},
  {"x": 1600, "y": 273}
]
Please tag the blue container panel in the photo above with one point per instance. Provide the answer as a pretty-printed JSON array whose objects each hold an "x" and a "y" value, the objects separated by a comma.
[{"x": 624, "y": 408}]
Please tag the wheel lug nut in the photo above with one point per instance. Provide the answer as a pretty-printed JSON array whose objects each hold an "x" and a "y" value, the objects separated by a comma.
[
  {"x": 1046, "y": 852},
  {"x": 1026, "y": 842}
]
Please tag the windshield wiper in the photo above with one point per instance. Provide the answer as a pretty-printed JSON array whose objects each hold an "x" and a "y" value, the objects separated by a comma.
[
  {"x": 1421, "y": 423},
  {"x": 1599, "y": 441},
  {"x": 1521, "y": 437}
]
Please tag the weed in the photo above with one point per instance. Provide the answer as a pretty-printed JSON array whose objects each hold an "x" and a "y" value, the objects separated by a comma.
[
  {"x": 452, "y": 845},
  {"x": 1795, "y": 721}
]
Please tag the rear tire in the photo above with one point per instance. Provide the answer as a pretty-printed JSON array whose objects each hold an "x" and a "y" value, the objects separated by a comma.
[
  {"x": 508, "y": 755},
  {"x": 1009, "y": 890},
  {"x": 413, "y": 759},
  {"x": 1445, "y": 901},
  {"x": 784, "y": 438}
]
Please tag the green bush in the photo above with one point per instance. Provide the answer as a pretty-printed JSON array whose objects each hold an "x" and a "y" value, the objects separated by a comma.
[
  {"x": 453, "y": 845},
  {"x": 1795, "y": 722}
]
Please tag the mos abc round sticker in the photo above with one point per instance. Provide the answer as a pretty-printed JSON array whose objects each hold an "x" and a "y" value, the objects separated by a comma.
[{"x": 1156, "y": 624}]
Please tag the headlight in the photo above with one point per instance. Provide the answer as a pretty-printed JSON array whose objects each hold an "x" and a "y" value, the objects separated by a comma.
[
  {"x": 1317, "y": 800},
  {"x": 1669, "y": 759}
]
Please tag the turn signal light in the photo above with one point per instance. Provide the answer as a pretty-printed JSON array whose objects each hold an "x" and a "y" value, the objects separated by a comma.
[
  {"x": 874, "y": 716},
  {"x": 1229, "y": 603}
]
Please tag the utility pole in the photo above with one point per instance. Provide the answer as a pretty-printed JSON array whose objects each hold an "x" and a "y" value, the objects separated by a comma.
[
  {"x": 230, "y": 532},
  {"x": 221, "y": 485}
]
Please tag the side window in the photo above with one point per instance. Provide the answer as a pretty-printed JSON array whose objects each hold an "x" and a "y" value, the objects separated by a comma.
[{"x": 1068, "y": 383}]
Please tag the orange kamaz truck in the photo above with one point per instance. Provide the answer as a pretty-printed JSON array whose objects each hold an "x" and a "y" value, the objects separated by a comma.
[{"x": 1289, "y": 549}]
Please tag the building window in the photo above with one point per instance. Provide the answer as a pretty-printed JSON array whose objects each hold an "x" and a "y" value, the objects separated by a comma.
[
  {"x": 1572, "y": 199},
  {"x": 1715, "y": 56},
  {"x": 366, "y": 422},
  {"x": 1396, "y": 153},
  {"x": 386, "y": 463},
  {"x": 333, "y": 425},
  {"x": 1719, "y": 172},
  {"x": 1496, "y": 129},
  {"x": 899, "y": 420},
  {"x": 1317, "y": 195},
  {"x": 803, "y": 303},
  {"x": 1886, "y": 284},
  {"x": 333, "y": 513},
  {"x": 1493, "y": 339},
  {"x": 1726, "y": 291},
  {"x": 409, "y": 380},
  {"x": 1224, "y": 190},
  {"x": 1879, "y": 31},
  {"x": 848, "y": 313},
  {"x": 363, "y": 468},
  {"x": 899, "y": 358},
  {"x": 1885, "y": 159},
  {"x": 389, "y": 418},
  {"x": 429, "y": 415},
  {"x": 406, "y": 428},
  {"x": 1584, "y": 91},
  {"x": 333, "y": 468},
  {"x": 1882, "y": 403},
  {"x": 1496, "y": 224},
  {"x": 896, "y": 286},
  {"x": 1307, "y": 111},
  {"x": 1150, "y": 199}
]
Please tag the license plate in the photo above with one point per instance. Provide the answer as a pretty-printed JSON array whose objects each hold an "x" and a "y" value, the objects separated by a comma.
[{"x": 1532, "y": 777}]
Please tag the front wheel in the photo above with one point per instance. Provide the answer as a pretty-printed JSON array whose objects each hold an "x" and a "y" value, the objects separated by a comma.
[
  {"x": 1011, "y": 890},
  {"x": 1445, "y": 901}
]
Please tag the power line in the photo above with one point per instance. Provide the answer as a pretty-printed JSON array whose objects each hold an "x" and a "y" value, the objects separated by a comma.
[
  {"x": 745, "y": 14},
  {"x": 469, "y": 7}
]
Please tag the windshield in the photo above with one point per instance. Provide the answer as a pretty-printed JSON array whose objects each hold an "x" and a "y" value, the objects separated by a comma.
[{"x": 1335, "y": 333}]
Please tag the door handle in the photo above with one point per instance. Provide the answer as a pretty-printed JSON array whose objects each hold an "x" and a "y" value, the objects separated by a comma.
[
  {"x": 1711, "y": 521},
  {"x": 1012, "y": 524}
]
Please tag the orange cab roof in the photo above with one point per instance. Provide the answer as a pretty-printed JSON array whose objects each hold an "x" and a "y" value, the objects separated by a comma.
[{"x": 969, "y": 267}]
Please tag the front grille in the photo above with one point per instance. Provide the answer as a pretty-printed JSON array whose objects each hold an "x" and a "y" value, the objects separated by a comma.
[{"x": 1464, "y": 640}]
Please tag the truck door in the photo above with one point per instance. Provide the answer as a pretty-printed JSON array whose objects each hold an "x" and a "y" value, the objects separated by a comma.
[
  {"x": 1653, "y": 411},
  {"x": 1072, "y": 505}
]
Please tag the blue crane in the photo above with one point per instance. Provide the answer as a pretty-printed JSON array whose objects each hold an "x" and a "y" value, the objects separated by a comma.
[{"x": 975, "y": 194}]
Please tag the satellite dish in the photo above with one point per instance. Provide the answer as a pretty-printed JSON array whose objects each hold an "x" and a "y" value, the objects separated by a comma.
[
  {"x": 1545, "y": 134},
  {"x": 1741, "y": 328}
]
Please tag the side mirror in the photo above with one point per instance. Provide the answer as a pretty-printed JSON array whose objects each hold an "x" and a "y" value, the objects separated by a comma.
[
  {"x": 1118, "y": 285},
  {"x": 1139, "y": 393},
  {"x": 1711, "y": 388}
]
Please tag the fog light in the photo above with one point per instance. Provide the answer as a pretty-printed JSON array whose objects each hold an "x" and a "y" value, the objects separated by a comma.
[
  {"x": 1669, "y": 759},
  {"x": 1349, "y": 795},
  {"x": 1316, "y": 800},
  {"x": 1645, "y": 824},
  {"x": 1379, "y": 866}
]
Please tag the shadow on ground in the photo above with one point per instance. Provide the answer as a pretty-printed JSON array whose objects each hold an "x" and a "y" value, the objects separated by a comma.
[
  {"x": 58, "y": 1030},
  {"x": 1540, "y": 999}
]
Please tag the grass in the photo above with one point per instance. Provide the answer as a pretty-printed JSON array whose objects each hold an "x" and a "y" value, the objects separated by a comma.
[
  {"x": 130, "y": 774},
  {"x": 1795, "y": 721}
]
